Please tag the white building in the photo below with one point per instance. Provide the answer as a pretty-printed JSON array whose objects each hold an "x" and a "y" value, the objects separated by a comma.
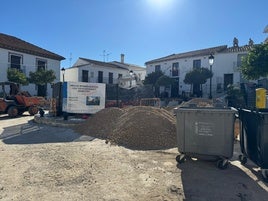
[
  {"x": 225, "y": 68},
  {"x": 24, "y": 56},
  {"x": 88, "y": 70}
]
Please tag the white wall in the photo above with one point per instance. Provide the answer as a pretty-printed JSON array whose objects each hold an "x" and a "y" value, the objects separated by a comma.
[
  {"x": 185, "y": 65},
  {"x": 75, "y": 73},
  {"x": 70, "y": 74},
  {"x": 106, "y": 70},
  {"x": 224, "y": 63},
  {"x": 29, "y": 64}
]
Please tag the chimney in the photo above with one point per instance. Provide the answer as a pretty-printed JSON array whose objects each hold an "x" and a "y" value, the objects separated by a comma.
[{"x": 122, "y": 58}]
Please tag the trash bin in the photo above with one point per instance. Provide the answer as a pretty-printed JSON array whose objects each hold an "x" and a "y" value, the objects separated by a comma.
[
  {"x": 254, "y": 138},
  {"x": 205, "y": 133}
]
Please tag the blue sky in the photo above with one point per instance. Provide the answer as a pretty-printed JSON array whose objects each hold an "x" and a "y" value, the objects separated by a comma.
[{"x": 141, "y": 29}]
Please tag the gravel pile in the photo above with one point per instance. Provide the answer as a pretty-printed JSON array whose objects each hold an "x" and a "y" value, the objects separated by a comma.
[
  {"x": 199, "y": 102},
  {"x": 138, "y": 127}
]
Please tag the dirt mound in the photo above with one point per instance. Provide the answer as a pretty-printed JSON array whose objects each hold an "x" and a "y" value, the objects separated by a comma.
[
  {"x": 199, "y": 102},
  {"x": 139, "y": 127},
  {"x": 101, "y": 124}
]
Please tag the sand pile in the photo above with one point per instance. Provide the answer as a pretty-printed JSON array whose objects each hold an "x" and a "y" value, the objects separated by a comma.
[
  {"x": 199, "y": 102},
  {"x": 139, "y": 127}
]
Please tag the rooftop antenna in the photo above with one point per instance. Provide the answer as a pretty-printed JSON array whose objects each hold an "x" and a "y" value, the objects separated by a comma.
[
  {"x": 105, "y": 56},
  {"x": 70, "y": 59}
]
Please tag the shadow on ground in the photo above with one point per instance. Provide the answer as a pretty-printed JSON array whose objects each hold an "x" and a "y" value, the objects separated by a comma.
[
  {"x": 203, "y": 181},
  {"x": 32, "y": 133},
  {"x": 6, "y": 117}
]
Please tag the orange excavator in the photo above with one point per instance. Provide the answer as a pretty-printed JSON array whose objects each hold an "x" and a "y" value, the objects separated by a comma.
[{"x": 17, "y": 102}]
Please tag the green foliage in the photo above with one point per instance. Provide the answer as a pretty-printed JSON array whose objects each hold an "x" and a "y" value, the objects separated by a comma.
[
  {"x": 198, "y": 76},
  {"x": 164, "y": 81},
  {"x": 255, "y": 64},
  {"x": 153, "y": 77},
  {"x": 15, "y": 75},
  {"x": 42, "y": 77}
]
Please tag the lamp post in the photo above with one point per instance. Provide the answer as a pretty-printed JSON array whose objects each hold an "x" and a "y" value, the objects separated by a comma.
[
  {"x": 117, "y": 91},
  {"x": 210, "y": 61},
  {"x": 130, "y": 73},
  {"x": 63, "y": 71}
]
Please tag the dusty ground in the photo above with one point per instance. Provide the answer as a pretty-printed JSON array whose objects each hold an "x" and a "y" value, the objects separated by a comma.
[{"x": 39, "y": 162}]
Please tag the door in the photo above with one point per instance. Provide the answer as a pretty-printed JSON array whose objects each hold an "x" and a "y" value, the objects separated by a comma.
[
  {"x": 41, "y": 89},
  {"x": 228, "y": 79},
  {"x": 100, "y": 77},
  {"x": 175, "y": 89}
]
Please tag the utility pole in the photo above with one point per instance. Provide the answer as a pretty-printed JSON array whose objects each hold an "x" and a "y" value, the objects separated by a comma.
[
  {"x": 105, "y": 56},
  {"x": 70, "y": 59}
]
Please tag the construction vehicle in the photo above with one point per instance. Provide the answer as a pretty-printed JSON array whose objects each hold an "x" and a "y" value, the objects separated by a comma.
[{"x": 17, "y": 102}]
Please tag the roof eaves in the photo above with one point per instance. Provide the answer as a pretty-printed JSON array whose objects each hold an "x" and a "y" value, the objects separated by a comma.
[
  {"x": 128, "y": 64},
  {"x": 16, "y": 44},
  {"x": 194, "y": 53},
  {"x": 244, "y": 48},
  {"x": 101, "y": 63}
]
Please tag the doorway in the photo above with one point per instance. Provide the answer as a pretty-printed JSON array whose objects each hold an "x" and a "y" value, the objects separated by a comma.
[{"x": 228, "y": 79}]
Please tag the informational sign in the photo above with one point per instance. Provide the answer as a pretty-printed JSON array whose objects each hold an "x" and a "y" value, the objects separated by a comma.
[
  {"x": 204, "y": 128},
  {"x": 83, "y": 98}
]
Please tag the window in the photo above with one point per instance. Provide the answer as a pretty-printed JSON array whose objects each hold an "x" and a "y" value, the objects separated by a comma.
[
  {"x": 41, "y": 64},
  {"x": 84, "y": 75},
  {"x": 15, "y": 60},
  {"x": 175, "y": 69},
  {"x": 197, "y": 63},
  {"x": 239, "y": 59},
  {"x": 157, "y": 68},
  {"x": 100, "y": 77},
  {"x": 120, "y": 75},
  {"x": 111, "y": 78}
]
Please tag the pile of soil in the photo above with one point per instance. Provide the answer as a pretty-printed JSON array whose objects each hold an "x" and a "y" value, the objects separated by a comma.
[
  {"x": 138, "y": 127},
  {"x": 198, "y": 102}
]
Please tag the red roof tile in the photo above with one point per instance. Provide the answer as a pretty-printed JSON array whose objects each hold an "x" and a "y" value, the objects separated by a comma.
[{"x": 16, "y": 44}]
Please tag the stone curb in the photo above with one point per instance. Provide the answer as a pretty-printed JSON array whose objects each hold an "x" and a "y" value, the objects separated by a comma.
[{"x": 56, "y": 121}]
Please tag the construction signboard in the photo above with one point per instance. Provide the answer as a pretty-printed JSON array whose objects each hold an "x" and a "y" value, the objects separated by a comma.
[{"x": 83, "y": 98}]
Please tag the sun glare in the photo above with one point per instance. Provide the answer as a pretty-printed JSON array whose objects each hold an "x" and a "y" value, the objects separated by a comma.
[{"x": 160, "y": 4}]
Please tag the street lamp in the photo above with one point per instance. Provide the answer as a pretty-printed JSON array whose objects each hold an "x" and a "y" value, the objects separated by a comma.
[
  {"x": 117, "y": 89},
  {"x": 210, "y": 61},
  {"x": 131, "y": 73},
  {"x": 63, "y": 71}
]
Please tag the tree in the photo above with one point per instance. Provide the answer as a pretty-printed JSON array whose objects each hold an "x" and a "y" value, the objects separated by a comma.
[
  {"x": 152, "y": 78},
  {"x": 158, "y": 79},
  {"x": 255, "y": 64},
  {"x": 15, "y": 75},
  {"x": 164, "y": 81},
  {"x": 42, "y": 77},
  {"x": 197, "y": 76}
]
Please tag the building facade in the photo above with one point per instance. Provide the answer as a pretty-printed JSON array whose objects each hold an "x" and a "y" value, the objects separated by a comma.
[
  {"x": 88, "y": 70},
  {"x": 225, "y": 68},
  {"x": 26, "y": 57}
]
